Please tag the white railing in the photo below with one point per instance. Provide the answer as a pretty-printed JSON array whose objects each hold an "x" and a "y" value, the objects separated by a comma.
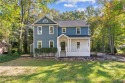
[{"x": 66, "y": 50}]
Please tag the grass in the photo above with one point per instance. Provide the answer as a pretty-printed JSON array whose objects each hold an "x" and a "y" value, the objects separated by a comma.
[
  {"x": 8, "y": 57},
  {"x": 29, "y": 70}
]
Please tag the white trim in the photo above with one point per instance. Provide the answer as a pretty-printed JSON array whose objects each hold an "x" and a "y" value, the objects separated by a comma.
[
  {"x": 76, "y": 30},
  {"x": 40, "y": 42},
  {"x": 64, "y": 29},
  {"x": 62, "y": 35},
  {"x": 42, "y": 18},
  {"x": 49, "y": 29},
  {"x": 89, "y": 31},
  {"x": 38, "y": 30},
  {"x": 74, "y": 26},
  {"x": 70, "y": 45},
  {"x": 79, "y": 37},
  {"x": 51, "y": 41},
  {"x": 42, "y": 24}
]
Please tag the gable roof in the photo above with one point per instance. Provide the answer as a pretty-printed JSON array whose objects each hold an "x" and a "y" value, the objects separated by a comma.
[
  {"x": 42, "y": 18},
  {"x": 72, "y": 23}
]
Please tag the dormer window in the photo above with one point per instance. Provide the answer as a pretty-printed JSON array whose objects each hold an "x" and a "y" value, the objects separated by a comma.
[
  {"x": 45, "y": 21},
  {"x": 78, "y": 31}
]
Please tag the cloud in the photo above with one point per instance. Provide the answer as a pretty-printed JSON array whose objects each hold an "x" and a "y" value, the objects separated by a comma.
[
  {"x": 81, "y": 9},
  {"x": 70, "y": 5},
  {"x": 75, "y": 1}
]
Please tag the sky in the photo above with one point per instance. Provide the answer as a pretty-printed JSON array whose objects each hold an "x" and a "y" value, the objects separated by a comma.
[{"x": 71, "y": 5}]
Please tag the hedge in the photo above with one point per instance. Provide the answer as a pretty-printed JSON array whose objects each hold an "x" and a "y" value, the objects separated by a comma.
[{"x": 45, "y": 50}]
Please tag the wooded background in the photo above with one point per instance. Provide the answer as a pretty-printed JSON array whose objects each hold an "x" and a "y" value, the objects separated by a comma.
[{"x": 107, "y": 23}]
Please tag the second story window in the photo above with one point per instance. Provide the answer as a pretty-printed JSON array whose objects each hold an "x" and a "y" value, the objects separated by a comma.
[
  {"x": 39, "y": 30},
  {"x": 51, "y": 29},
  {"x": 63, "y": 30},
  {"x": 78, "y": 31},
  {"x": 51, "y": 43}
]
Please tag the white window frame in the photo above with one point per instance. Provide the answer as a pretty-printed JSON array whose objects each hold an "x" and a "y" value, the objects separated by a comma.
[
  {"x": 51, "y": 41},
  {"x": 65, "y": 29},
  {"x": 76, "y": 30},
  {"x": 79, "y": 45},
  {"x": 38, "y": 43},
  {"x": 38, "y": 30},
  {"x": 49, "y": 29}
]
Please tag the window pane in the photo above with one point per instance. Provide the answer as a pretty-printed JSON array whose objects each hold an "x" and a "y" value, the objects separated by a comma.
[
  {"x": 51, "y": 29},
  {"x": 39, "y": 44},
  {"x": 78, "y": 45},
  {"x": 51, "y": 45},
  {"x": 63, "y": 30},
  {"x": 78, "y": 30},
  {"x": 40, "y": 30}
]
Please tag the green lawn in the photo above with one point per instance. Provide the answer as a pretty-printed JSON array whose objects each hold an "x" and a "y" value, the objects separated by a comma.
[{"x": 29, "y": 70}]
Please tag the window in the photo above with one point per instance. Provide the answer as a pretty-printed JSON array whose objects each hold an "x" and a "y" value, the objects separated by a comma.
[
  {"x": 51, "y": 43},
  {"x": 39, "y": 44},
  {"x": 78, "y": 31},
  {"x": 51, "y": 29},
  {"x": 39, "y": 30},
  {"x": 45, "y": 21},
  {"x": 78, "y": 45},
  {"x": 63, "y": 30}
]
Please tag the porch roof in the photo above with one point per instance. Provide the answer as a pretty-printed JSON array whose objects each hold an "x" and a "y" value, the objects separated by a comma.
[
  {"x": 78, "y": 35},
  {"x": 75, "y": 36}
]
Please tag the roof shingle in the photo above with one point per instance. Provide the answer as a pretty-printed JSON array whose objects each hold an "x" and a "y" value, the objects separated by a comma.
[{"x": 72, "y": 23}]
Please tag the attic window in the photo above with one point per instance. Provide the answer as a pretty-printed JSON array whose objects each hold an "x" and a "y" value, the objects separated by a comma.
[{"x": 45, "y": 21}]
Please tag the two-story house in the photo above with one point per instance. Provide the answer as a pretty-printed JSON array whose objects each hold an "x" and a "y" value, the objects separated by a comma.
[{"x": 71, "y": 38}]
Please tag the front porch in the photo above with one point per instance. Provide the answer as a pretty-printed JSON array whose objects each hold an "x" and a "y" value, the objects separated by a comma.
[{"x": 73, "y": 46}]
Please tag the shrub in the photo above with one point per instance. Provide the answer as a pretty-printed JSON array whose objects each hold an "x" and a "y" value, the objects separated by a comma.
[{"x": 45, "y": 50}]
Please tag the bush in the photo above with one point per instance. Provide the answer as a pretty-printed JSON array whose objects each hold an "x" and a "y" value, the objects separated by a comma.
[{"x": 46, "y": 50}]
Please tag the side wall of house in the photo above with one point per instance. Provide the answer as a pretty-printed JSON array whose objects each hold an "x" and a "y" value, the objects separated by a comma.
[
  {"x": 72, "y": 31},
  {"x": 45, "y": 37}
]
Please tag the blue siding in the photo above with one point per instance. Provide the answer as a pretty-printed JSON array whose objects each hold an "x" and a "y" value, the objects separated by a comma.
[
  {"x": 45, "y": 36},
  {"x": 72, "y": 31}
]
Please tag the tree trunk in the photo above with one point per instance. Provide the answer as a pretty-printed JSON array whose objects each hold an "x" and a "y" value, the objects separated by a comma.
[
  {"x": 20, "y": 49},
  {"x": 111, "y": 39}
]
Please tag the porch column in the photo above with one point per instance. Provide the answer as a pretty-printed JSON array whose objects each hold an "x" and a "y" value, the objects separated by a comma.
[
  {"x": 70, "y": 45},
  {"x": 58, "y": 46},
  {"x": 89, "y": 45}
]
